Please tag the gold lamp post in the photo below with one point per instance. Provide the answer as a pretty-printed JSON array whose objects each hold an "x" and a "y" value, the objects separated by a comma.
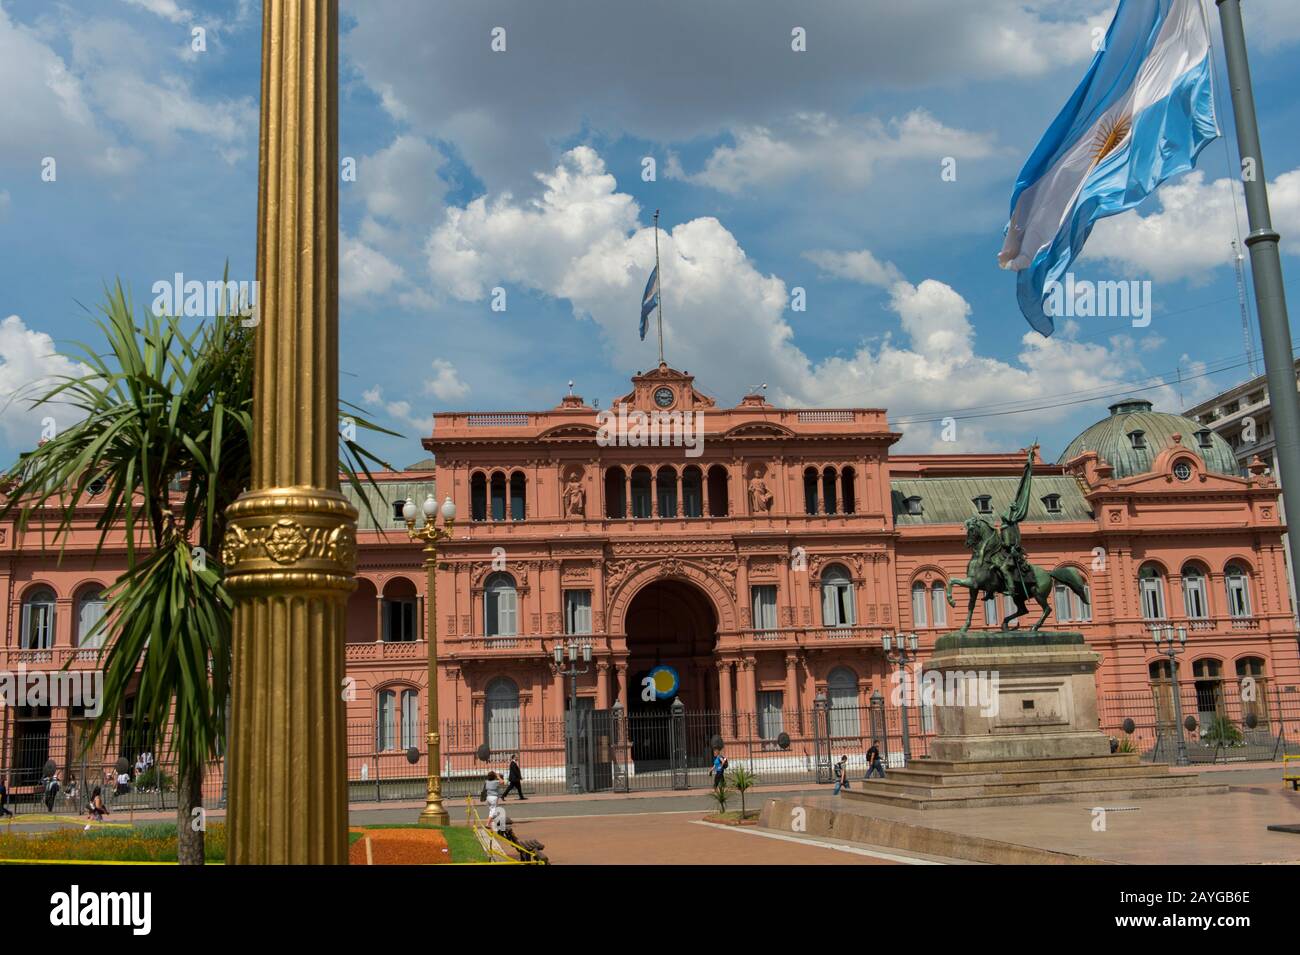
[{"x": 434, "y": 813}]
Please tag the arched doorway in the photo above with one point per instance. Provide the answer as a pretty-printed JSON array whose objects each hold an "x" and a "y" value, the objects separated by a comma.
[{"x": 670, "y": 623}]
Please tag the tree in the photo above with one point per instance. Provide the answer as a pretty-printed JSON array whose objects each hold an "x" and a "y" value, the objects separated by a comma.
[
  {"x": 163, "y": 432},
  {"x": 721, "y": 795}
]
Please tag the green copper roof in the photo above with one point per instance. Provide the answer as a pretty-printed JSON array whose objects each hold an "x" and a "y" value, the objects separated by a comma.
[
  {"x": 1109, "y": 437},
  {"x": 952, "y": 500},
  {"x": 390, "y": 492}
]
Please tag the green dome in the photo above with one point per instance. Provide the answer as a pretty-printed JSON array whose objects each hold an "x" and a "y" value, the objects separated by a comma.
[{"x": 1110, "y": 438}]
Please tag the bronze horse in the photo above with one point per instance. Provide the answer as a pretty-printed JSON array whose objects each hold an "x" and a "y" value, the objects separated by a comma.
[{"x": 984, "y": 576}]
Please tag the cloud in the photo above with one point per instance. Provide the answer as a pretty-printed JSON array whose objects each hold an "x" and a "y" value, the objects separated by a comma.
[
  {"x": 401, "y": 410},
  {"x": 29, "y": 365},
  {"x": 445, "y": 385},
  {"x": 167, "y": 9},
  {"x": 844, "y": 153},
  {"x": 433, "y": 70},
  {"x": 860, "y": 266},
  {"x": 1189, "y": 236},
  {"x": 364, "y": 272},
  {"x": 581, "y": 241}
]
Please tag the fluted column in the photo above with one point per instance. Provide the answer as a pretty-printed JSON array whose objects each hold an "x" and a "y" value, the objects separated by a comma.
[{"x": 290, "y": 551}]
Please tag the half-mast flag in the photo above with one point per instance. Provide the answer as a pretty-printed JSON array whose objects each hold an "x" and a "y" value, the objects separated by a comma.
[
  {"x": 1143, "y": 113},
  {"x": 649, "y": 299}
]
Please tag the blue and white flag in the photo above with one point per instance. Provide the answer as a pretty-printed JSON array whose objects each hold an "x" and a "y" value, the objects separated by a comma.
[
  {"x": 649, "y": 299},
  {"x": 1143, "y": 113}
]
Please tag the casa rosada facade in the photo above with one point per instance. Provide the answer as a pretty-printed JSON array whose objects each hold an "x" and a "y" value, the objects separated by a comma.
[{"x": 762, "y": 564}]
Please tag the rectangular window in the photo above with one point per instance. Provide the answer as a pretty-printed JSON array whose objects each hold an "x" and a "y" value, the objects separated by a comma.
[
  {"x": 763, "y": 601},
  {"x": 1238, "y": 597},
  {"x": 399, "y": 621},
  {"x": 939, "y": 606},
  {"x": 640, "y": 501},
  {"x": 38, "y": 627},
  {"x": 918, "y": 606},
  {"x": 410, "y": 719},
  {"x": 991, "y": 617},
  {"x": 577, "y": 611},
  {"x": 384, "y": 724},
  {"x": 771, "y": 722},
  {"x": 1194, "y": 598},
  {"x": 1153, "y": 604}
]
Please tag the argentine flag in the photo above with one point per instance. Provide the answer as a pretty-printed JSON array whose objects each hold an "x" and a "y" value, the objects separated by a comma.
[
  {"x": 1143, "y": 112},
  {"x": 649, "y": 299}
]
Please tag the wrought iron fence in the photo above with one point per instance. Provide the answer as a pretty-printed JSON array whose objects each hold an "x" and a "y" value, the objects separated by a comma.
[
  {"x": 1232, "y": 721},
  {"x": 670, "y": 748}
]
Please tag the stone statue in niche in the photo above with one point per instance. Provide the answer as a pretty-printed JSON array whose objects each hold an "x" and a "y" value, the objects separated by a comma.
[
  {"x": 575, "y": 496},
  {"x": 760, "y": 496}
]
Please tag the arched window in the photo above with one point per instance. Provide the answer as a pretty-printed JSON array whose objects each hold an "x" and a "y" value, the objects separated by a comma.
[
  {"x": 478, "y": 497},
  {"x": 828, "y": 491},
  {"x": 837, "y": 598},
  {"x": 717, "y": 491},
  {"x": 615, "y": 493},
  {"x": 810, "y": 491},
  {"x": 91, "y": 605},
  {"x": 848, "y": 492},
  {"x": 518, "y": 496},
  {"x": 497, "y": 486},
  {"x": 842, "y": 692},
  {"x": 399, "y": 620},
  {"x": 394, "y": 728},
  {"x": 1208, "y": 676},
  {"x": 992, "y": 618},
  {"x": 1151, "y": 584},
  {"x": 692, "y": 492},
  {"x": 38, "y": 620},
  {"x": 1194, "y": 596},
  {"x": 666, "y": 488},
  {"x": 1069, "y": 607},
  {"x": 938, "y": 606},
  {"x": 1252, "y": 685},
  {"x": 501, "y": 715},
  {"x": 641, "y": 492},
  {"x": 1237, "y": 583},
  {"x": 918, "y": 605},
  {"x": 500, "y": 603}
]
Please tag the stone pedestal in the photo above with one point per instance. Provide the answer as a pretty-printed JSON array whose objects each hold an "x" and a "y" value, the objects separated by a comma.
[{"x": 1013, "y": 696}]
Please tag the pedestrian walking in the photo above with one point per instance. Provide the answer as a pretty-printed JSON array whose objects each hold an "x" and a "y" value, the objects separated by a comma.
[
  {"x": 874, "y": 765},
  {"x": 52, "y": 787},
  {"x": 719, "y": 768},
  {"x": 841, "y": 774},
  {"x": 491, "y": 788},
  {"x": 96, "y": 810},
  {"x": 515, "y": 778},
  {"x": 4, "y": 798}
]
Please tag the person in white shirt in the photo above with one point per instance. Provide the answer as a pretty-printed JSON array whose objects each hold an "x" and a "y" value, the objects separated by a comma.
[{"x": 497, "y": 819}]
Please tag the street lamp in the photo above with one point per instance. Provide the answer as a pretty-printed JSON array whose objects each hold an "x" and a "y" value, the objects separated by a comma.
[
  {"x": 434, "y": 813},
  {"x": 1171, "y": 649},
  {"x": 574, "y": 650},
  {"x": 901, "y": 652}
]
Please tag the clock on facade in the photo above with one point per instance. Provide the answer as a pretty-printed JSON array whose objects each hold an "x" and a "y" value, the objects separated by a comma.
[{"x": 663, "y": 397}]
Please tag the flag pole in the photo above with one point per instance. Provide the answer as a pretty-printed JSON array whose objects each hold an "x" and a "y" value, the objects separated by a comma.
[
  {"x": 659, "y": 290},
  {"x": 1265, "y": 270}
]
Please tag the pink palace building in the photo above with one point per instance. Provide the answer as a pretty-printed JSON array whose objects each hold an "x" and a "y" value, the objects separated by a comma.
[{"x": 761, "y": 564}]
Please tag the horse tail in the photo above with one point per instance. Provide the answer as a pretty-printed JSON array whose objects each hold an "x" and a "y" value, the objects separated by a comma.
[{"x": 1072, "y": 579}]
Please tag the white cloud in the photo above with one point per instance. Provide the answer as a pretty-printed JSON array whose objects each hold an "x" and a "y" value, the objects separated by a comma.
[
  {"x": 29, "y": 366},
  {"x": 840, "y": 152},
  {"x": 401, "y": 410},
  {"x": 581, "y": 241},
  {"x": 1189, "y": 236},
  {"x": 860, "y": 266},
  {"x": 445, "y": 385},
  {"x": 364, "y": 272},
  {"x": 167, "y": 9}
]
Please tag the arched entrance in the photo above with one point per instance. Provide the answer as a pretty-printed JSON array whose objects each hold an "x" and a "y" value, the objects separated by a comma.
[{"x": 669, "y": 623}]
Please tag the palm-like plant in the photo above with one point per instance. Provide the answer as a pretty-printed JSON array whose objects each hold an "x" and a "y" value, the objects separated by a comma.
[
  {"x": 721, "y": 795},
  {"x": 742, "y": 780},
  {"x": 164, "y": 431}
]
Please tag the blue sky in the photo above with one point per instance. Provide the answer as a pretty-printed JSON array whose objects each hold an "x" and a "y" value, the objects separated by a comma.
[{"x": 522, "y": 170}]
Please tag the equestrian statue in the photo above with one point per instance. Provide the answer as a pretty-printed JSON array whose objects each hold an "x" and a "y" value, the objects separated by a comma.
[{"x": 998, "y": 564}]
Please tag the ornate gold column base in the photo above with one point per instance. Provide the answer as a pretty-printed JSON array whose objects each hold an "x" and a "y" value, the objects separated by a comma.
[{"x": 289, "y": 555}]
